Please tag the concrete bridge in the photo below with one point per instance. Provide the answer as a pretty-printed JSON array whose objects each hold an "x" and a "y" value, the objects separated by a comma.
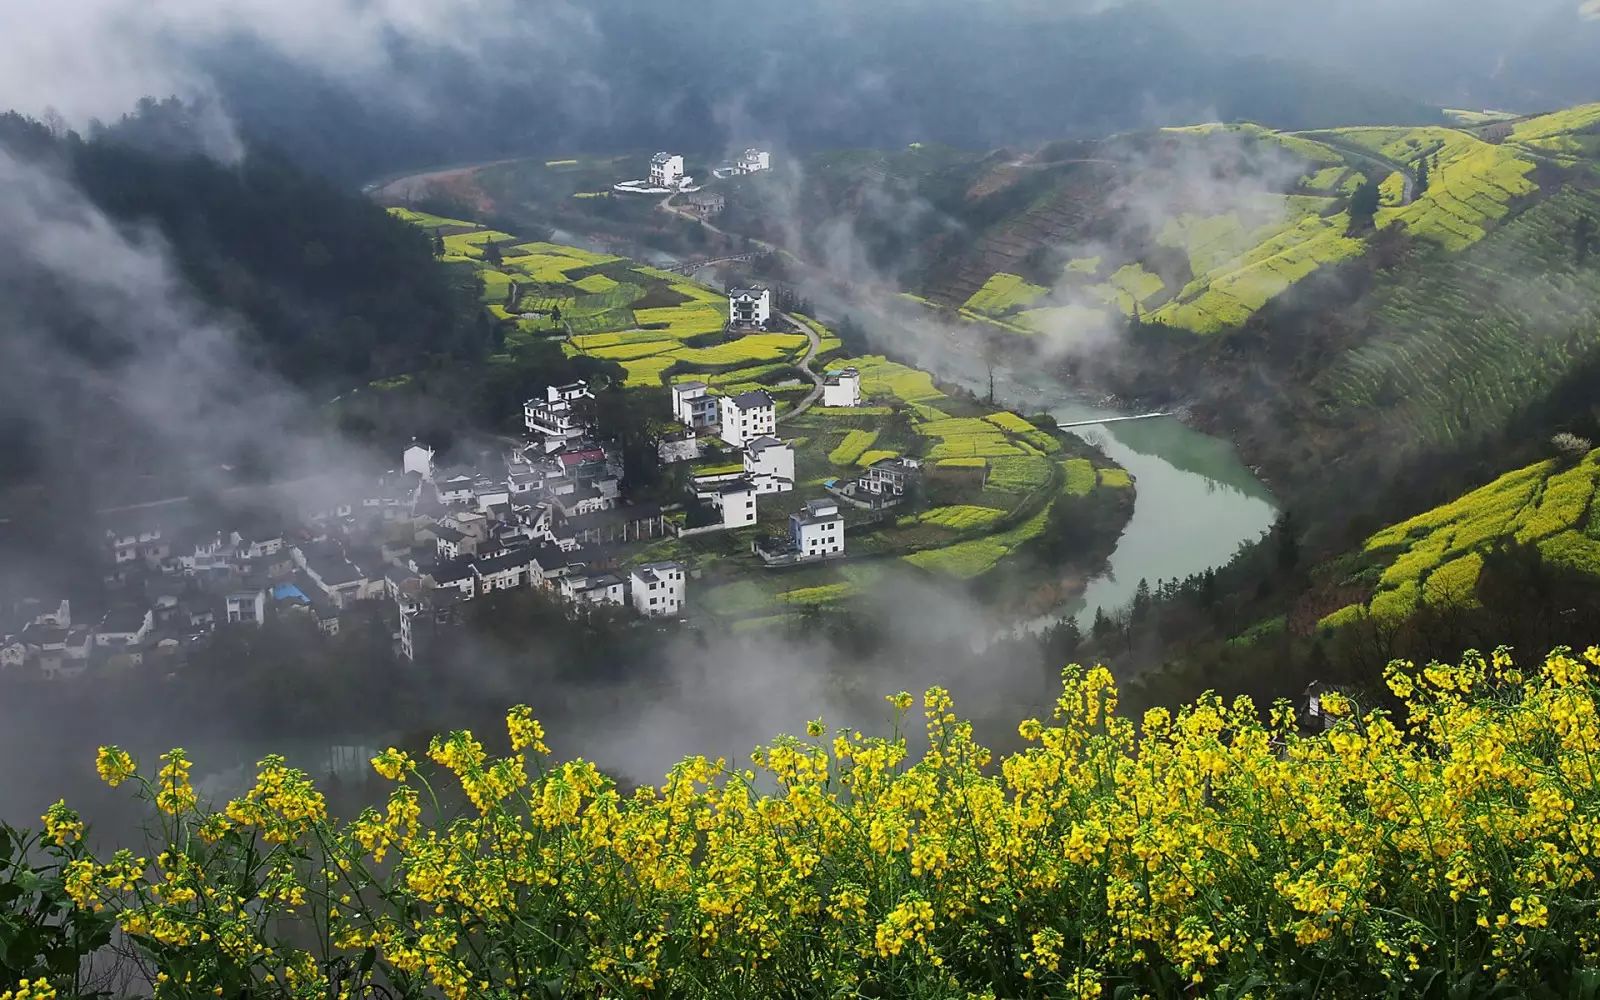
[
  {"x": 691, "y": 266},
  {"x": 1111, "y": 420}
]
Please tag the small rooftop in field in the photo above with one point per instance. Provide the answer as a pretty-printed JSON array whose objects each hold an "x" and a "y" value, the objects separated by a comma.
[
  {"x": 755, "y": 399},
  {"x": 746, "y": 293}
]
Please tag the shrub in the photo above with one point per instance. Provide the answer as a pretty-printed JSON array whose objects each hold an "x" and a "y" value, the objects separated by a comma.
[{"x": 1210, "y": 851}]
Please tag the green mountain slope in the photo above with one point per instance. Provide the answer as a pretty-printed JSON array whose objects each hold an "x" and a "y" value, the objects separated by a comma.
[
  {"x": 1197, "y": 228},
  {"x": 1437, "y": 557}
]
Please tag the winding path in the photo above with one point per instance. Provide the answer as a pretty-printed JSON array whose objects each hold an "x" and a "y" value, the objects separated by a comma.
[
  {"x": 804, "y": 364},
  {"x": 815, "y": 345}
]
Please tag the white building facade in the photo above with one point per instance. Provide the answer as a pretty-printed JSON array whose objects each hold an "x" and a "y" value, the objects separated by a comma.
[
  {"x": 693, "y": 406},
  {"x": 769, "y": 464},
  {"x": 561, "y": 417},
  {"x": 749, "y": 308},
  {"x": 735, "y": 500},
  {"x": 842, "y": 388},
  {"x": 666, "y": 170},
  {"x": 419, "y": 459},
  {"x": 748, "y": 416},
  {"x": 816, "y": 531},
  {"x": 659, "y": 590}
]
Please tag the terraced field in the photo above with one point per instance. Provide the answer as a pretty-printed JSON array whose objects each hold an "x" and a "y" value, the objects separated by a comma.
[
  {"x": 1436, "y": 558},
  {"x": 655, "y": 324},
  {"x": 1237, "y": 284},
  {"x": 1461, "y": 338},
  {"x": 1004, "y": 294},
  {"x": 1255, "y": 245},
  {"x": 1473, "y": 183}
]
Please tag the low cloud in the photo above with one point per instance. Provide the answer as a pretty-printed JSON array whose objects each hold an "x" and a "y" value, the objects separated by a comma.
[{"x": 91, "y": 59}]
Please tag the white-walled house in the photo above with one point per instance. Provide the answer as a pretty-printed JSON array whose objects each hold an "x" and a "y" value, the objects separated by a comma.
[
  {"x": 456, "y": 489},
  {"x": 504, "y": 572},
  {"x": 246, "y": 607},
  {"x": 124, "y": 627},
  {"x": 749, "y": 308},
  {"x": 666, "y": 170},
  {"x": 600, "y": 588},
  {"x": 693, "y": 406},
  {"x": 769, "y": 464},
  {"x": 842, "y": 387},
  {"x": 754, "y": 161},
  {"x": 747, "y": 416},
  {"x": 682, "y": 446},
  {"x": 734, "y": 499},
  {"x": 419, "y": 459},
  {"x": 659, "y": 589},
  {"x": 561, "y": 417},
  {"x": 816, "y": 531}
]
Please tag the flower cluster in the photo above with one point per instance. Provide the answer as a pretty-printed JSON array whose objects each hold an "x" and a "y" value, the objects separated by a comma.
[{"x": 1218, "y": 849}]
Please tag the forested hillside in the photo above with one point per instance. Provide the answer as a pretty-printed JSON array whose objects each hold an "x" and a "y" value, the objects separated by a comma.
[{"x": 316, "y": 287}]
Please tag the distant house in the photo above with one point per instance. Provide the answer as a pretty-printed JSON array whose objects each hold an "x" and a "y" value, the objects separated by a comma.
[
  {"x": 816, "y": 531},
  {"x": 562, "y": 417},
  {"x": 138, "y": 538},
  {"x": 658, "y": 589},
  {"x": 753, "y": 161},
  {"x": 125, "y": 626},
  {"x": 706, "y": 205},
  {"x": 693, "y": 406},
  {"x": 749, "y": 308},
  {"x": 507, "y": 571},
  {"x": 769, "y": 464},
  {"x": 666, "y": 170},
  {"x": 681, "y": 446},
  {"x": 459, "y": 488},
  {"x": 583, "y": 500},
  {"x": 246, "y": 607},
  {"x": 257, "y": 542},
  {"x": 734, "y": 500},
  {"x": 842, "y": 388},
  {"x": 455, "y": 575},
  {"x": 331, "y": 573},
  {"x": 595, "y": 589},
  {"x": 419, "y": 459},
  {"x": 891, "y": 477},
  {"x": 56, "y": 611},
  {"x": 747, "y": 416}
]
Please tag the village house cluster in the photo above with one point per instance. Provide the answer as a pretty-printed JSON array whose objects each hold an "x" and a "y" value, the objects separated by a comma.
[{"x": 411, "y": 545}]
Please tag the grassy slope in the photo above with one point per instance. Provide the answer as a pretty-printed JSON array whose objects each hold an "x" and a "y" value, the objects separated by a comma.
[{"x": 1437, "y": 556}]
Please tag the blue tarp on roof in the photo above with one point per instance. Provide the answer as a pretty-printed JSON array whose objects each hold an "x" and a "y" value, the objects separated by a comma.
[{"x": 289, "y": 592}]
